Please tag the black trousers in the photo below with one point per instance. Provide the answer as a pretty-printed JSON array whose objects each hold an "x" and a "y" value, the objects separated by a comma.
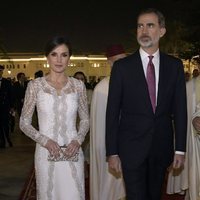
[
  {"x": 12, "y": 123},
  {"x": 144, "y": 182},
  {"x": 4, "y": 133}
]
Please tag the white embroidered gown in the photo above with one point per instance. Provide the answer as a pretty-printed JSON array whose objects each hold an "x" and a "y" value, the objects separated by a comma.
[{"x": 57, "y": 116}]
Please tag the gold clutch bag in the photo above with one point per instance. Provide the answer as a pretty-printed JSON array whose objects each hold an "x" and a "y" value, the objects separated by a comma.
[{"x": 62, "y": 157}]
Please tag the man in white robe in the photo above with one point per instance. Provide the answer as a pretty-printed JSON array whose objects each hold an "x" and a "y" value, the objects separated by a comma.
[
  {"x": 104, "y": 185},
  {"x": 189, "y": 178}
]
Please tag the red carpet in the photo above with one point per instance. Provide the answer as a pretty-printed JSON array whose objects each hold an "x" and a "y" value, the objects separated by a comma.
[
  {"x": 171, "y": 196},
  {"x": 29, "y": 190}
]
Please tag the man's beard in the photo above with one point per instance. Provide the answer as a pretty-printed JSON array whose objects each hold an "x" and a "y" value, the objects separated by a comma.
[{"x": 145, "y": 41}]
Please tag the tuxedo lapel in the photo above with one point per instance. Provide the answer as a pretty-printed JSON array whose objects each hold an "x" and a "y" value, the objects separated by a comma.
[
  {"x": 140, "y": 71},
  {"x": 162, "y": 76},
  {"x": 2, "y": 84}
]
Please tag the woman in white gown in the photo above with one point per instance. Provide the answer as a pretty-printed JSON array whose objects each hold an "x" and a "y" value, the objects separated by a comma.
[{"x": 58, "y": 99}]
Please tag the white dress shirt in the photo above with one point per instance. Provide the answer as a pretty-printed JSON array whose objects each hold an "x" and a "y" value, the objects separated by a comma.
[{"x": 156, "y": 61}]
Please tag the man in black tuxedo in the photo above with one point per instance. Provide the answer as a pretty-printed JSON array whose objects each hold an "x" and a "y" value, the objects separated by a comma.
[
  {"x": 19, "y": 91},
  {"x": 5, "y": 108},
  {"x": 146, "y": 111}
]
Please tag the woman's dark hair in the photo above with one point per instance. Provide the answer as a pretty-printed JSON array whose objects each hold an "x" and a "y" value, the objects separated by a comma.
[{"x": 56, "y": 41}]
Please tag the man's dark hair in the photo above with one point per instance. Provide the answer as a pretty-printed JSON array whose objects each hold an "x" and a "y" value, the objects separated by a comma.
[
  {"x": 39, "y": 74},
  {"x": 81, "y": 73},
  {"x": 19, "y": 75},
  {"x": 2, "y": 67},
  {"x": 161, "y": 18}
]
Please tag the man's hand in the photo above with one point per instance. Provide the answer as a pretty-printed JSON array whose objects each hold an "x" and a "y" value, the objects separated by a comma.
[
  {"x": 114, "y": 165},
  {"x": 178, "y": 161},
  {"x": 196, "y": 123}
]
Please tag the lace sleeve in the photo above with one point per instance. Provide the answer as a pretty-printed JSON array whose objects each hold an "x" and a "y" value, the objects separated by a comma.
[
  {"x": 26, "y": 116},
  {"x": 83, "y": 114}
]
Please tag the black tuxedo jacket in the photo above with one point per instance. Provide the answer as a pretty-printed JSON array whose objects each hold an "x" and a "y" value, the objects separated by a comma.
[
  {"x": 19, "y": 91},
  {"x": 6, "y": 98},
  {"x": 133, "y": 130},
  {"x": 19, "y": 94}
]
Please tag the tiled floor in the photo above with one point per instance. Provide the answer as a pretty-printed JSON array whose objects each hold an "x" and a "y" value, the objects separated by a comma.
[{"x": 15, "y": 165}]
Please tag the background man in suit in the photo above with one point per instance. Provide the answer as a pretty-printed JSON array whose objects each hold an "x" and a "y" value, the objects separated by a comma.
[
  {"x": 104, "y": 184},
  {"x": 187, "y": 180},
  {"x": 5, "y": 108},
  {"x": 146, "y": 93},
  {"x": 19, "y": 91}
]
